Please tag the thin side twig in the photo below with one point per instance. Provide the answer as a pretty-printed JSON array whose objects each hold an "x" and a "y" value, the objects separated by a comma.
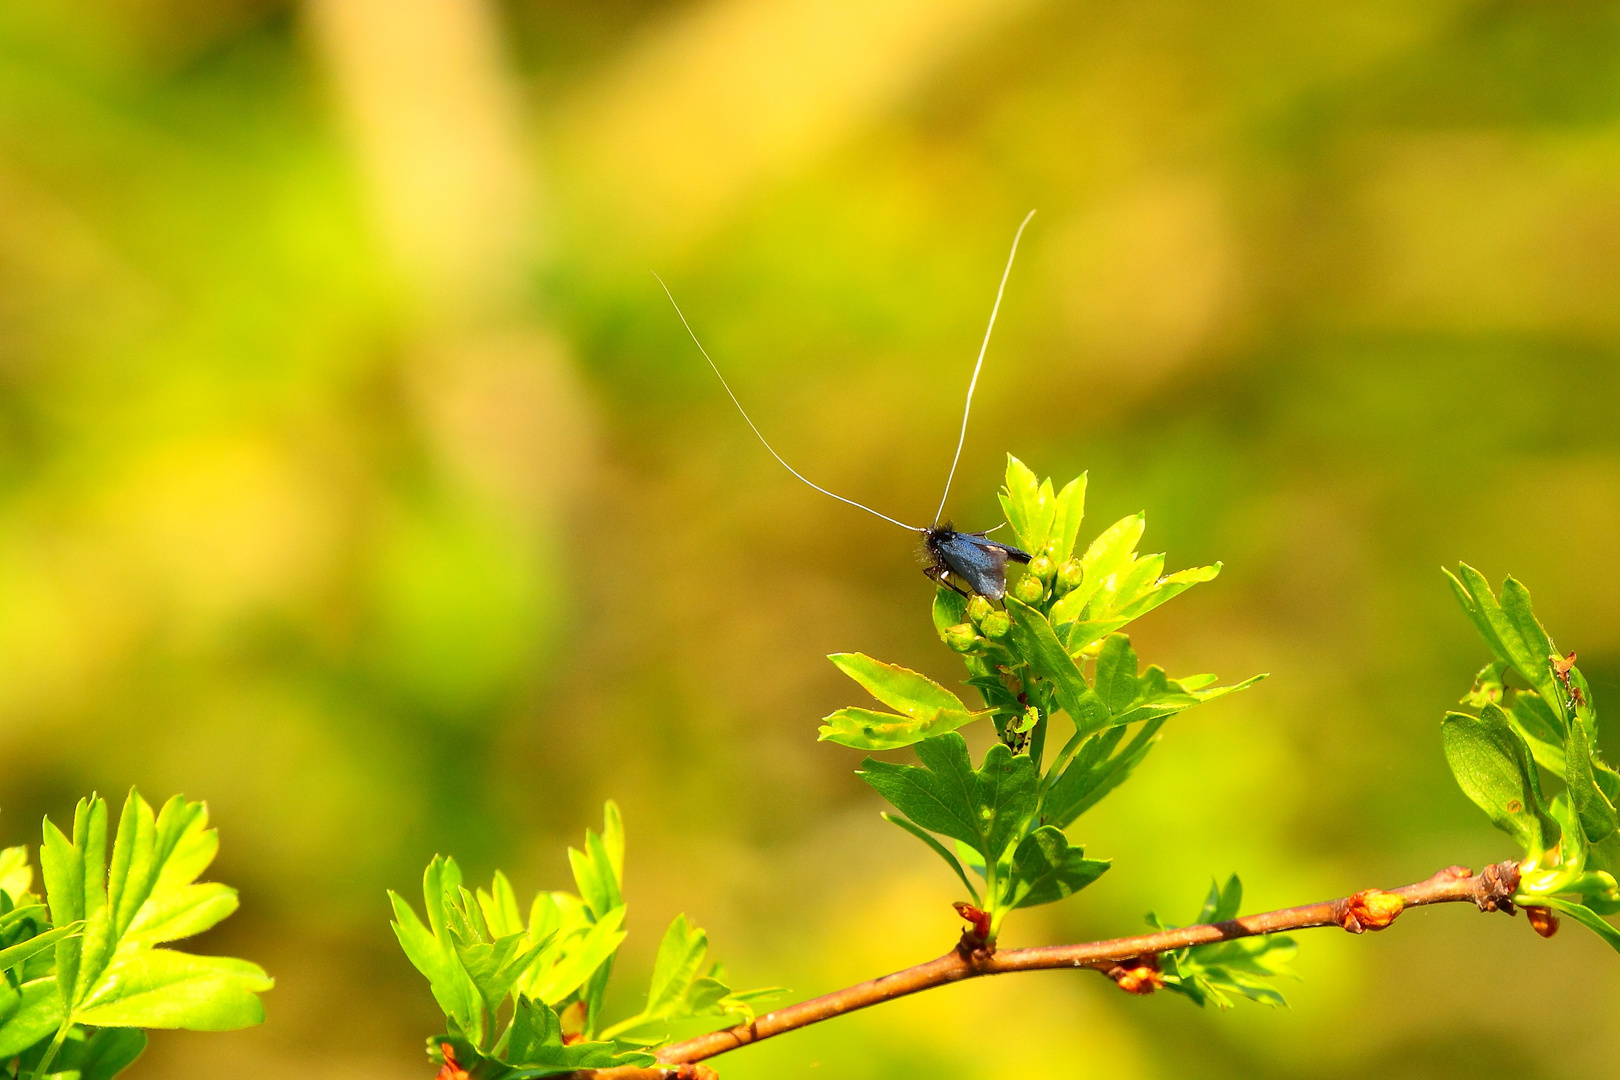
[{"x": 1371, "y": 909}]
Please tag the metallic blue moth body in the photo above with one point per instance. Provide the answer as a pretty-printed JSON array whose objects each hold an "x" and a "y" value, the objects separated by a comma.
[{"x": 972, "y": 558}]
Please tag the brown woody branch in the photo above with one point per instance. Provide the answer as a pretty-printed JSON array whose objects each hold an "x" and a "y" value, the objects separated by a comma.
[{"x": 1124, "y": 959}]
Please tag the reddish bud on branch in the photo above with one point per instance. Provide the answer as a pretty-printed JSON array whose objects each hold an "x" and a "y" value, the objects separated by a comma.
[
  {"x": 1138, "y": 975},
  {"x": 977, "y": 936},
  {"x": 1542, "y": 920},
  {"x": 1370, "y": 909}
]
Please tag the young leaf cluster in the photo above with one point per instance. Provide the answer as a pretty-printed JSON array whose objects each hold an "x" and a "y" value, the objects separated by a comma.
[
  {"x": 1213, "y": 973},
  {"x": 524, "y": 999},
  {"x": 1535, "y": 729},
  {"x": 83, "y": 971},
  {"x": 1054, "y": 651}
]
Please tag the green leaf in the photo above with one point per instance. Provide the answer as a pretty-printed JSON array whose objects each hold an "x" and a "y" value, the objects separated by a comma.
[
  {"x": 1071, "y": 511},
  {"x": 865, "y": 729},
  {"x": 16, "y": 876},
  {"x": 927, "y": 708},
  {"x": 1108, "y": 555},
  {"x": 1095, "y": 771},
  {"x": 495, "y": 968},
  {"x": 1493, "y": 767},
  {"x": 1512, "y": 632},
  {"x": 1159, "y": 696},
  {"x": 535, "y": 1049},
  {"x": 18, "y": 953},
  {"x": 433, "y": 955},
  {"x": 984, "y": 808},
  {"x": 162, "y": 988},
  {"x": 1543, "y": 730},
  {"x": 1029, "y": 505},
  {"x": 1212, "y": 973},
  {"x": 939, "y": 849},
  {"x": 950, "y": 609},
  {"x": 580, "y": 959},
  {"x": 31, "y": 1012},
  {"x": 500, "y": 907},
  {"x": 1597, "y": 813},
  {"x": 1585, "y": 916},
  {"x": 111, "y": 975},
  {"x": 100, "y": 1054},
  {"x": 1038, "y": 645},
  {"x": 613, "y": 839},
  {"x": 1046, "y": 868},
  {"x": 680, "y": 955},
  {"x": 899, "y": 688},
  {"x": 594, "y": 877},
  {"x": 1122, "y": 596},
  {"x": 1116, "y": 681},
  {"x": 1223, "y": 902}
]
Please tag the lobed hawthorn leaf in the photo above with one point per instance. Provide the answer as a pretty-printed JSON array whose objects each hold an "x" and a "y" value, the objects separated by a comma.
[
  {"x": 901, "y": 689},
  {"x": 1207, "y": 974},
  {"x": 534, "y": 1049},
  {"x": 865, "y": 729},
  {"x": 1029, "y": 505},
  {"x": 111, "y": 975},
  {"x": 1494, "y": 768},
  {"x": 984, "y": 807},
  {"x": 681, "y": 990},
  {"x": 1111, "y": 553},
  {"x": 1046, "y": 869},
  {"x": 16, "y": 876},
  {"x": 23, "y": 951},
  {"x": 431, "y": 950},
  {"x": 476, "y": 952},
  {"x": 925, "y": 708},
  {"x": 32, "y": 1011},
  {"x": 1071, "y": 511},
  {"x": 1223, "y": 902},
  {"x": 1084, "y": 618},
  {"x": 680, "y": 956},
  {"x": 500, "y": 908},
  {"x": 580, "y": 958},
  {"x": 1159, "y": 696},
  {"x": 599, "y": 875},
  {"x": 1509, "y": 628},
  {"x": 86, "y": 1054},
  {"x": 1130, "y": 698},
  {"x": 1095, "y": 771},
  {"x": 496, "y": 967},
  {"x": 1037, "y": 643}
]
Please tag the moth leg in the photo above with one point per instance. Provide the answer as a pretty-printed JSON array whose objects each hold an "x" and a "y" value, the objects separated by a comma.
[{"x": 939, "y": 575}]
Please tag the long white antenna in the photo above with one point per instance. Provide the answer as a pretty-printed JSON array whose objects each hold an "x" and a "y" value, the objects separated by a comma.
[
  {"x": 974, "y": 383},
  {"x": 751, "y": 423}
]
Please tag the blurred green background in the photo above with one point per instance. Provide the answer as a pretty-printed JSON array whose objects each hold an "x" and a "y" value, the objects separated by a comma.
[{"x": 356, "y": 476}]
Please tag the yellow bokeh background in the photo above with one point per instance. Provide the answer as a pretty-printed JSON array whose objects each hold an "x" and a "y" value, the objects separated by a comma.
[{"x": 357, "y": 477}]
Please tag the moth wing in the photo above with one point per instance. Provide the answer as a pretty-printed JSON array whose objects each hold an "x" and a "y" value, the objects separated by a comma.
[
  {"x": 1014, "y": 553},
  {"x": 979, "y": 562}
]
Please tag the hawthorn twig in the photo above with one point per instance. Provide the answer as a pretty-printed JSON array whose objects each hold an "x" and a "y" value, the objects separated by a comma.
[{"x": 1370, "y": 909}]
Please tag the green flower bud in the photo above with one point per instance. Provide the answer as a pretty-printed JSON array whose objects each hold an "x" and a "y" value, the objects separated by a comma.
[
  {"x": 996, "y": 625},
  {"x": 978, "y": 608},
  {"x": 1069, "y": 575},
  {"x": 1042, "y": 567},
  {"x": 1029, "y": 589},
  {"x": 963, "y": 638}
]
